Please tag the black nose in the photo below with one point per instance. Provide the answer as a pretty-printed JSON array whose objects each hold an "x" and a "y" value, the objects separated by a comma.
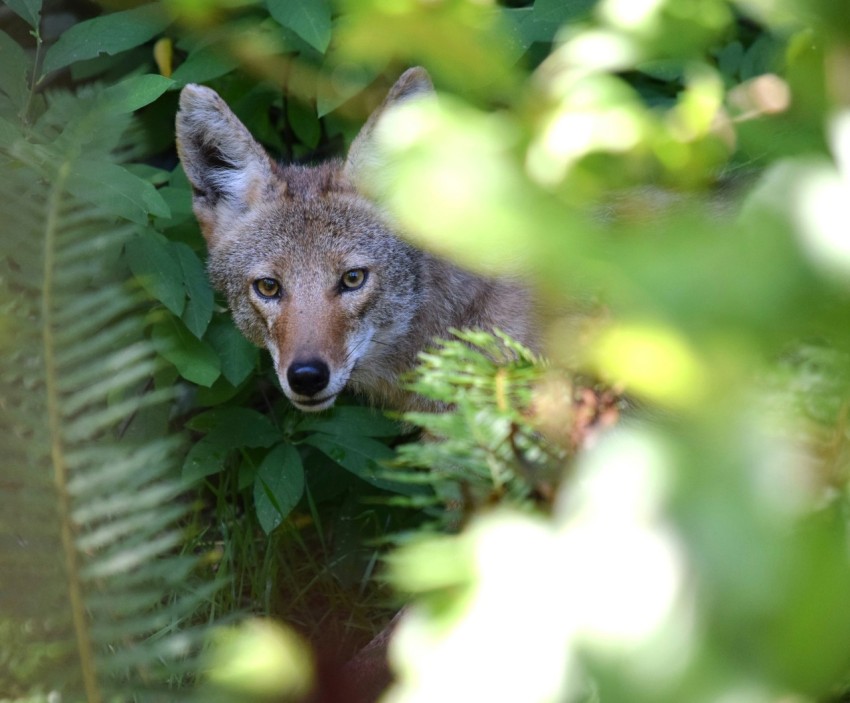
[{"x": 308, "y": 377}]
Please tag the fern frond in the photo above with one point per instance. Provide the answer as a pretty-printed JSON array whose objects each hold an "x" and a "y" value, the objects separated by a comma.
[
  {"x": 94, "y": 600},
  {"x": 490, "y": 447}
]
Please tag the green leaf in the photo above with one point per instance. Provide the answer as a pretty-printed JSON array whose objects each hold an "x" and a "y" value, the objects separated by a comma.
[
  {"x": 238, "y": 355},
  {"x": 9, "y": 133},
  {"x": 107, "y": 34},
  {"x": 116, "y": 190},
  {"x": 226, "y": 429},
  {"x": 551, "y": 15},
  {"x": 28, "y": 10},
  {"x": 729, "y": 59},
  {"x": 305, "y": 123},
  {"x": 216, "y": 395},
  {"x": 346, "y": 81},
  {"x": 360, "y": 456},
  {"x": 351, "y": 420},
  {"x": 16, "y": 67},
  {"x": 236, "y": 427},
  {"x": 309, "y": 19},
  {"x": 179, "y": 201},
  {"x": 278, "y": 486},
  {"x": 520, "y": 26},
  {"x": 150, "y": 174},
  {"x": 194, "y": 359},
  {"x": 179, "y": 180},
  {"x": 541, "y": 22},
  {"x": 667, "y": 70},
  {"x": 94, "y": 132},
  {"x": 152, "y": 260},
  {"x": 204, "y": 64},
  {"x": 761, "y": 57},
  {"x": 199, "y": 294},
  {"x": 205, "y": 458},
  {"x": 134, "y": 93}
]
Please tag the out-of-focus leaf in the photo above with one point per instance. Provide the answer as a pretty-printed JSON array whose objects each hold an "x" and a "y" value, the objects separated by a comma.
[
  {"x": 729, "y": 59},
  {"x": 258, "y": 660},
  {"x": 475, "y": 53},
  {"x": 761, "y": 57},
  {"x": 541, "y": 22},
  {"x": 342, "y": 83},
  {"x": 309, "y": 19}
]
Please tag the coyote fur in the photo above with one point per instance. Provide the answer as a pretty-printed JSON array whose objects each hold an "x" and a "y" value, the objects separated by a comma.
[{"x": 312, "y": 268}]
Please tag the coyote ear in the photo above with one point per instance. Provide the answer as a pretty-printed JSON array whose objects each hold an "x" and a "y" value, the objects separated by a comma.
[
  {"x": 413, "y": 83},
  {"x": 226, "y": 166}
]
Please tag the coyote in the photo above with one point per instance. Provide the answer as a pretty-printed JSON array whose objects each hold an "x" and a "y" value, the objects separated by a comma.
[{"x": 313, "y": 269}]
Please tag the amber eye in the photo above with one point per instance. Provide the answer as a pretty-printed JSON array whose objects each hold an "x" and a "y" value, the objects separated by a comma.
[
  {"x": 353, "y": 279},
  {"x": 267, "y": 287}
]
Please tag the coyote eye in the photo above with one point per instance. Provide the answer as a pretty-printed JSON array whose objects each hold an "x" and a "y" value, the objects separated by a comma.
[
  {"x": 267, "y": 287},
  {"x": 353, "y": 279}
]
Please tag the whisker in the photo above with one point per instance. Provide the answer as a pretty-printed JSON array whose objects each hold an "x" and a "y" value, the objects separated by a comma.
[{"x": 355, "y": 349}]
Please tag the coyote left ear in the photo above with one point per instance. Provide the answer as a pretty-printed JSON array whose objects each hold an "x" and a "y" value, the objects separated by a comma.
[
  {"x": 413, "y": 83},
  {"x": 226, "y": 166}
]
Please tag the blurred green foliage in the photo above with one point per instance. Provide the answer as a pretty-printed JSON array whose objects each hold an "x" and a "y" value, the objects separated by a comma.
[
  {"x": 93, "y": 579},
  {"x": 672, "y": 176}
]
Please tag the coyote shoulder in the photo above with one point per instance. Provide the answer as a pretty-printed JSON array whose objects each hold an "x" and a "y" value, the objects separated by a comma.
[{"x": 312, "y": 269}]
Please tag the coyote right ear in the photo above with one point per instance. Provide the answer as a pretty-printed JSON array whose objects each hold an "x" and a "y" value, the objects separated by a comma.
[
  {"x": 413, "y": 83},
  {"x": 226, "y": 166}
]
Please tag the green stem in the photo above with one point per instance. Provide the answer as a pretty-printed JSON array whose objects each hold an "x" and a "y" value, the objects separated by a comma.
[
  {"x": 57, "y": 448},
  {"x": 25, "y": 112}
]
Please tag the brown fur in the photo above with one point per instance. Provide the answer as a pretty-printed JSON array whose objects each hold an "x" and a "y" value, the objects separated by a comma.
[{"x": 306, "y": 227}]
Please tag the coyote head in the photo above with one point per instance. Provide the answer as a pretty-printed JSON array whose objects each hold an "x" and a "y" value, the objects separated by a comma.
[{"x": 310, "y": 268}]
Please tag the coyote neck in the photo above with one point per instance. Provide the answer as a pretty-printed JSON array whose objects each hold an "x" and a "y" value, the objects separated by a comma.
[{"x": 451, "y": 298}]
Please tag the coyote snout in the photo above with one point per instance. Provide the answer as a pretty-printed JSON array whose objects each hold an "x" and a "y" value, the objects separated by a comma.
[
  {"x": 305, "y": 383},
  {"x": 307, "y": 379},
  {"x": 314, "y": 272}
]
